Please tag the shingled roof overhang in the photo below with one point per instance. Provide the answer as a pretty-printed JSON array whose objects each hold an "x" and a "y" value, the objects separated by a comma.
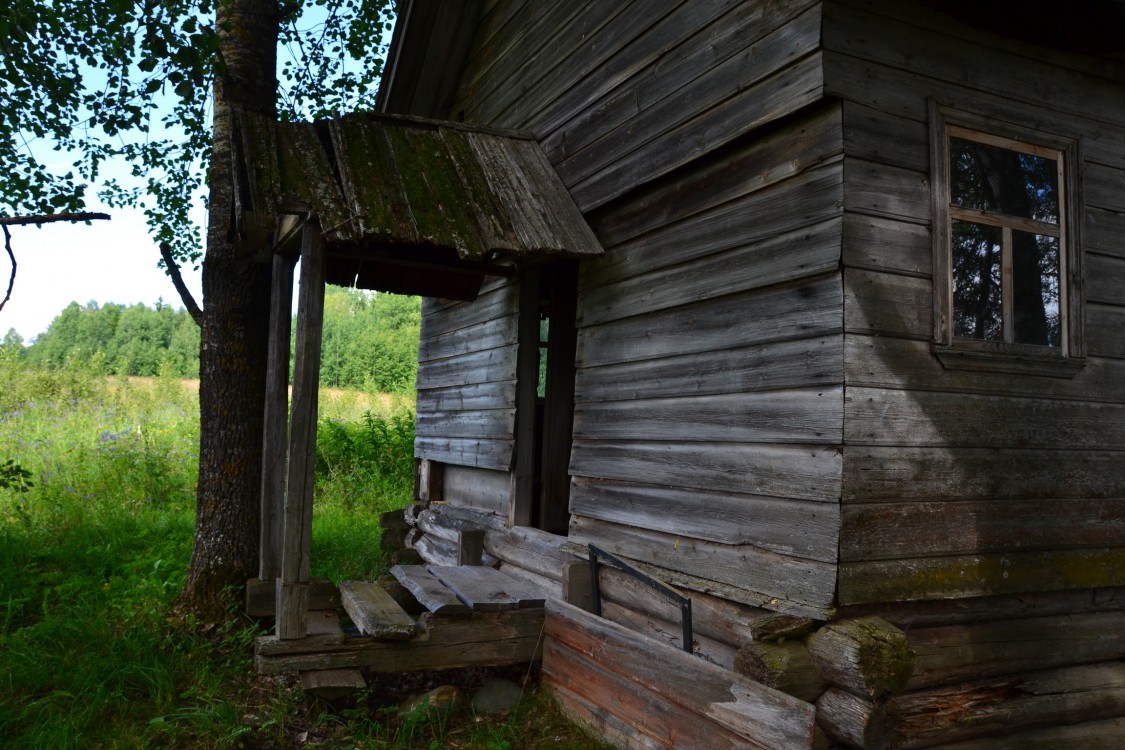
[{"x": 408, "y": 205}]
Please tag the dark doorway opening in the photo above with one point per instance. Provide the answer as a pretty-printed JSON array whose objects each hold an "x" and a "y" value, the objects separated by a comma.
[{"x": 556, "y": 343}]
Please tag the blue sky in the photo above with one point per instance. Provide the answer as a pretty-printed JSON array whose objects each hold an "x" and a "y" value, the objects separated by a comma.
[{"x": 106, "y": 261}]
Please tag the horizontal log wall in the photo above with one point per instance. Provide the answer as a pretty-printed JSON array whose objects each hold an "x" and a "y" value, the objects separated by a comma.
[
  {"x": 709, "y": 401},
  {"x": 956, "y": 483},
  {"x": 467, "y": 390}
]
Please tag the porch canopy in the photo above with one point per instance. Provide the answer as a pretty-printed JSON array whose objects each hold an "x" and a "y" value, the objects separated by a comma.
[
  {"x": 408, "y": 205},
  {"x": 379, "y": 202}
]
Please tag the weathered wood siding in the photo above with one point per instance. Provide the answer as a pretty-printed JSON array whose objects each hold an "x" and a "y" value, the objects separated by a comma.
[
  {"x": 955, "y": 483},
  {"x": 467, "y": 384},
  {"x": 709, "y": 400}
]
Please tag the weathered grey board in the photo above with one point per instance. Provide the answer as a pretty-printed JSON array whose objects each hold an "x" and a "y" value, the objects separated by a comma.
[
  {"x": 946, "y": 655},
  {"x": 1103, "y": 231},
  {"x": 489, "y": 366},
  {"x": 598, "y": 721},
  {"x": 877, "y": 243},
  {"x": 802, "y": 310},
  {"x": 885, "y": 362},
  {"x": 801, "y": 145},
  {"x": 438, "y": 551},
  {"x": 1001, "y": 705},
  {"x": 1105, "y": 278},
  {"x": 787, "y": 471},
  {"x": 657, "y": 108},
  {"x": 563, "y": 55},
  {"x": 528, "y": 548},
  {"x": 375, "y": 612},
  {"x": 915, "y": 49},
  {"x": 489, "y": 335},
  {"x": 490, "y": 304},
  {"x": 877, "y": 136},
  {"x": 925, "y": 529},
  {"x": 685, "y": 124},
  {"x": 480, "y": 489},
  {"x": 669, "y": 632},
  {"x": 485, "y": 639},
  {"x": 488, "y": 423},
  {"x": 776, "y": 365},
  {"x": 979, "y": 575},
  {"x": 906, "y": 94},
  {"x": 798, "y": 416},
  {"x": 719, "y": 619},
  {"x": 429, "y": 591},
  {"x": 802, "y": 253},
  {"x": 888, "y": 304},
  {"x": 922, "y": 418},
  {"x": 544, "y": 38},
  {"x": 790, "y": 578},
  {"x": 613, "y": 657},
  {"x": 651, "y": 242},
  {"x": 485, "y": 589},
  {"x": 875, "y": 189},
  {"x": 1095, "y": 735},
  {"x": 786, "y": 526},
  {"x": 1105, "y": 330},
  {"x": 482, "y": 453},
  {"x": 627, "y": 42},
  {"x": 654, "y": 63},
  {"x": 896, "y": 474},
  {"x": 552, "y": 587},
  {"x": 469, "y": 397}
]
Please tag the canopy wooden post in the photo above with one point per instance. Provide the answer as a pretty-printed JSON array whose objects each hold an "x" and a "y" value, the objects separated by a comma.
[
  {"x": 293, "y": 584},
  {"x": 276, "y": 430},
  {"x": 527, "y": 381}
]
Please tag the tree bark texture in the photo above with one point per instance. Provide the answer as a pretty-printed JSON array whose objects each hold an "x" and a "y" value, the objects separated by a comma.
[{"x": 233, "y": 349}]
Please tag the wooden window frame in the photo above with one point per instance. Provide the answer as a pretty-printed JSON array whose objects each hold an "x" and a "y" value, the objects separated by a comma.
[{"x": 972, "y": 354}]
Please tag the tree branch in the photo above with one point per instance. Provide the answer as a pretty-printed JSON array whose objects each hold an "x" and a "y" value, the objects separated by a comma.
[
  {"x": 12, "y": 257},
  {"x": 178, "y": 281},
  {"x": 16, "y": 221}
]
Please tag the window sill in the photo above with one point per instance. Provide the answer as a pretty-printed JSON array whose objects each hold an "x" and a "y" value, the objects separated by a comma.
[{"x": 981, "y": 357}]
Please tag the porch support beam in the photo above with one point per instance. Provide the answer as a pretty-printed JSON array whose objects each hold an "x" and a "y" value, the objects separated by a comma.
[
  {"x": 276, "y": 430},
  {"x": 293, "y": 584}
]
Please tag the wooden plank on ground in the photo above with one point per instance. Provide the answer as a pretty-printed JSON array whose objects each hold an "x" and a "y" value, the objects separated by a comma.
[
  {"x": 375, "y": 612},
  {"x": 487, "y": 589},
  {"x": 698, "y": 688},
  {"x": 483, "y": 640},
  {"x": 429, "y": 591}
]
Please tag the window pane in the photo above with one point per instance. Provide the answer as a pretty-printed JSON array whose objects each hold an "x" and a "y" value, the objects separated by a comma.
[
  {"x": 1035, "y": 289},
  {"x": 976, "y": 281},
  {"x": 990, "y": 178}
]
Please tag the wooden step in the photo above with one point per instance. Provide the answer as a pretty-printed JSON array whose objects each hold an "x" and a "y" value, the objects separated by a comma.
[
  {"x": 487, "y": 589},
  {"x": 429, "y": 591},
  {"x": 375, "y": 612}
]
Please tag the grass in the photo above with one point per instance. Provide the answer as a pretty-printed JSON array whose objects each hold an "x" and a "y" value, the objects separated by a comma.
[{"x": 94, "y": 551}]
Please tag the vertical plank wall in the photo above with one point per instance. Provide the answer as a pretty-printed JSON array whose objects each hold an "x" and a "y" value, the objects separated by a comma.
[
  {"x": 709, "y": 399},
  {"x": 960, "y": 484}
]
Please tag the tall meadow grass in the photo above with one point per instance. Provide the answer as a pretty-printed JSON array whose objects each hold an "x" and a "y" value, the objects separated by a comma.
[{"x": 94, "y": 547}]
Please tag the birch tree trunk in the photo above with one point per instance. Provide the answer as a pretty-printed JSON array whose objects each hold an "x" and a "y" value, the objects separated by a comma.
[{"x": 236, "y": 289}]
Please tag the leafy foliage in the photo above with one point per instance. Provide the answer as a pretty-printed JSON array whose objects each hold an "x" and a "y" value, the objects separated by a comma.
[
  {"x": 114, "y": 80},
  {"x": 370, "y": 341},
  {"x": 133, "y": 340}
]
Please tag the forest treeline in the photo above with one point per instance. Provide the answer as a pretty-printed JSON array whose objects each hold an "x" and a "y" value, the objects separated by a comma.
[{"x": 370, "y": 340}]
